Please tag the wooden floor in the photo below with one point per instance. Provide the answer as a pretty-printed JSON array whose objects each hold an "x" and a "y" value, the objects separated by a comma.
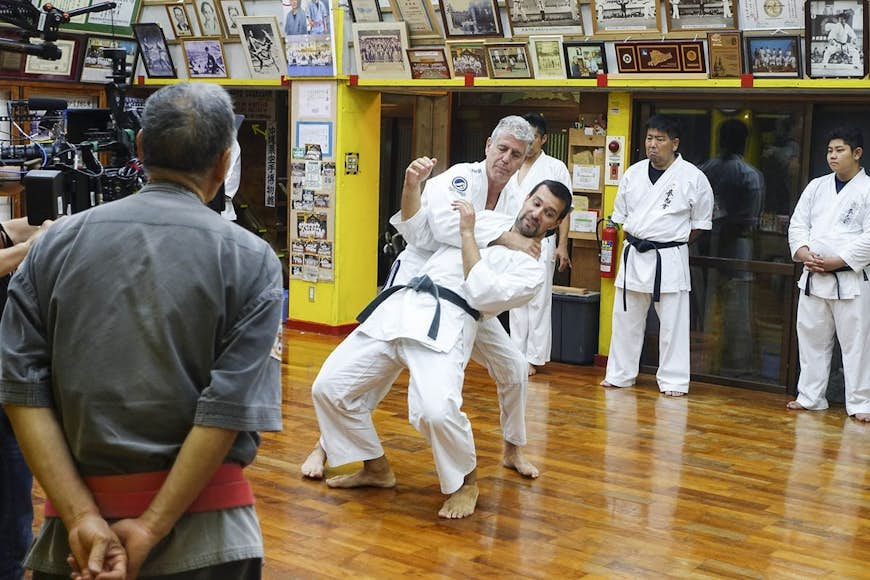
[{"x": 723, "y": 483}]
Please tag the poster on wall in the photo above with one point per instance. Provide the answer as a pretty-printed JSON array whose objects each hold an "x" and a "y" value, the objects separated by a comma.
[
  {"x": 312, "y": 214},
  {"x": 309, "y": 38}
]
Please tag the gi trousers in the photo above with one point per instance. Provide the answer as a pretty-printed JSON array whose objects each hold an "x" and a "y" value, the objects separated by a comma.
[
  {"x": 359, "y": 373},
  {"x": 818, "y": 320},
  {"x": 628, "y": 331}
]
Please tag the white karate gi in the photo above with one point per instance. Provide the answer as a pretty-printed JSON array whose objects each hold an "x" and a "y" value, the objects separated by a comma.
[
  {"x": 531, "y": 325},
  {"x": 834, "y": 224},
  {"x": 679, "y": 202},
  {"x": 362, "y": 368}
]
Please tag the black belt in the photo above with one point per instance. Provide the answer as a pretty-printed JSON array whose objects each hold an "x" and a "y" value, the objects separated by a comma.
[
  {"x": 836, "y": 278},
  {"x": 645, "y": 246},
  {"x": 422, "y": 284}
]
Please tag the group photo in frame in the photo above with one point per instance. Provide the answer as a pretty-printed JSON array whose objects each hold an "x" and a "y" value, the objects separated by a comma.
[
  {"x": 181, "y": 20},
  {"x": 527, "y": 17},
  {"x": 509, "y": 61},
  {"x": 365, "y": 10},
  {"x": 701, "y": 15},
  {"x": 773, "y": 56},
  {"x": 420, "y": 17},
  {"x": 548, "y": 60},
  {"x": 205, "y": 58},
  {"x": 155, "y": 53},
  {"x": 625, "y": 16},
  {"x": 261, "y": 41},
  {"x": 97, "y": 68},
  {"x": 836, "y": 38},
  {"x": 381, "y": 50},
  {"x": 770, "y": 14},
  {"x": 209, "y": 18},
  {"x": 470, "y": 18},
  {"x": 428, "y": 63},
  {"x": 467, "y": 58},
  {"x": 231, "y": 10},
  {"x": 584, "y": 60}
]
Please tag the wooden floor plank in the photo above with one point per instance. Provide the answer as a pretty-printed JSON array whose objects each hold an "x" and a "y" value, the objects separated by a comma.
[{"x": 724, "y": 483}]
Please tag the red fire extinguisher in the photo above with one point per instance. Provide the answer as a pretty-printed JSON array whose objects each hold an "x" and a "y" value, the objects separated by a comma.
[{"x": 608, "y": 243}]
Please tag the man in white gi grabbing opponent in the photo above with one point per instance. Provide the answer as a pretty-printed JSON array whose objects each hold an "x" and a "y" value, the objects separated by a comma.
[
  {"x": 662, "y": 203},
  {"x": 830, "y": 233},
  {"x": 428, "y": 326},
  {"x": 483, "y": 183}
]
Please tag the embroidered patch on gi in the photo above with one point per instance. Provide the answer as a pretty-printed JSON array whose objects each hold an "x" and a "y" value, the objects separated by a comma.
[
  {"x": 278, "y": 347},
  {"x": 459, "y": 184}
]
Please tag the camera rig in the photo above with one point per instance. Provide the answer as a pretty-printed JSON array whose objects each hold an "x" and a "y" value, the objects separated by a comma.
[{"x": 70, "y": 177}]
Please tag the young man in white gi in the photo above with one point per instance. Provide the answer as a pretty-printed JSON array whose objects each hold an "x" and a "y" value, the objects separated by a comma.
[
  {"x": 428, "y": 326},
  {"x": 531, "y": 325},
  {"x": 482, "y": 183},
  {"x": 662, "y": 203},
  {"x": 830, "y": 233}
]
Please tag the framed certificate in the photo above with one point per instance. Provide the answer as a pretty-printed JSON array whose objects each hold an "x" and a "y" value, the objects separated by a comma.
[
  {"x": 770, "y": 14},
  {"x": 420, "y": 18}
]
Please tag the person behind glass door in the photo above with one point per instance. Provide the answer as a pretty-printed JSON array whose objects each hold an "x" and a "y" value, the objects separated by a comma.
[
  {"x": 830, "y": 233},
  {"x": 662, "y": 202}
]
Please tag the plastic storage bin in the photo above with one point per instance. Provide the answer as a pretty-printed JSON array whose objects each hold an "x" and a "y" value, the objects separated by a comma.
[{"x": 575, "y": 326}]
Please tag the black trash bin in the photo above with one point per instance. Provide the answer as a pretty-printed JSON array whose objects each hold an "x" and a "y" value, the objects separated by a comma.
[{"x": 575, "y": 326}]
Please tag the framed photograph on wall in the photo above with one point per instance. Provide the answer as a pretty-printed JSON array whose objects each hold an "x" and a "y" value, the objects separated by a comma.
[
  {"x": 470, "y": 18},
  {"x": 428, "y": 63},
  {"x": 537, "y": 17},
  {"x": 548, "y": 61},
  {"x": 117, "y": 21},
  {"x": 836, "y": 38},
  {"x": 209, "y": 18},
  {"x": 261, "y": 41},
  {"x": 64, "y": 69},
  {"x": 365, "y": 10},
  {"x": 467, "y": 58},
  {"x": 509, "y": 61},
  {"x": 155, "y": 54},
  {"x": 97, "y": 68},
  {"x": 205, "y": 58},
  {"x": 584, "y": 60},
  {"x": 623, "y": 16},
  {"x": 420, "y": 18},
  {"x": 180, "y": 20},
  {"x": 701, "y": 15},
  {"x": 770, "y": 14},
  {"x": 230, "y": 10},
  {"x": 773, "y": 56},
  {"x": 381, "y": 50}
]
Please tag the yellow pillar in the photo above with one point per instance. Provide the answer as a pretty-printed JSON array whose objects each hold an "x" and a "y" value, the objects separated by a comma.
[
  {"x": 334, "y": 305},
  {"x": 618, "y": 123}
]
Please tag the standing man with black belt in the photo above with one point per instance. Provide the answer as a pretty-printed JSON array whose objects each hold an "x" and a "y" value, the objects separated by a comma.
[{"x": 662, "y": 203}]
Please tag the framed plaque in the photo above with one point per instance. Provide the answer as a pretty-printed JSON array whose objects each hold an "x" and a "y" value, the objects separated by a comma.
[
  {"x": 836, "y": 38},
  {"x": 365, "y": 10},
  {"x": 428, "y": 63},
  {"x": 701, "y": 15},
  {"x": 420, "y": 18},
  {"x": 773, "y": 56},
  {"x": 770, "y": 14},
  {"x": 726, "y": 60},
  {"x": 661, "y": 57}
]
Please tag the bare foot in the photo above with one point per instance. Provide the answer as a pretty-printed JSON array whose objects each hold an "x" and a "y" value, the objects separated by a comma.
[
  {"x": 604, "y": 383},
  {"x": 795, "y": 406},
  {"x": 375, "y": 473},
  {"x": 675, "y": 393},
  {"x": 315, "y": 463},
  {"x": 863, "y": 417},
  {"x": 462, "y": 502},
  {"x": 513, "y": 458},
  {"x": 532, "y": 370}
]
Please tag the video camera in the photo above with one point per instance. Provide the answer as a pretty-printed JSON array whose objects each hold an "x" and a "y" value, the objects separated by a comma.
[{"x": 71, "y": 177}]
